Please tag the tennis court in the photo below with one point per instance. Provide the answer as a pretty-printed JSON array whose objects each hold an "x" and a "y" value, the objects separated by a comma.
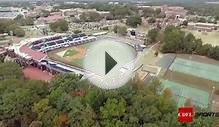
[
  {"x": 182, "y": 92},
  {"x": 202, "y": 70}
]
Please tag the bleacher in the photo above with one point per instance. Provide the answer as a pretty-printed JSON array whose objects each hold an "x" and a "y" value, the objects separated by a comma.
[{"x": 51, "y": 43}]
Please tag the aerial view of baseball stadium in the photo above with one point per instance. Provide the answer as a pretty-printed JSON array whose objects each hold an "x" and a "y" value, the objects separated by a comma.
[{"x": 109, "y": 63}]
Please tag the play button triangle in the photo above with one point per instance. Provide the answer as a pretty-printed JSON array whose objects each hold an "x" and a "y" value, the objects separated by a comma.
[{"x": 109, "y": 63}]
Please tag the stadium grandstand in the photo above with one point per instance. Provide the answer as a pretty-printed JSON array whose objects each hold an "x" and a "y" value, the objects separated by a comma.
[
  {"x": 48, "y": 44},
  {"x": 34, "y": 51}
]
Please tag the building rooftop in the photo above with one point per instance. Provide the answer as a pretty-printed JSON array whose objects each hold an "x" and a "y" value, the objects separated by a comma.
[
  {"x": 32, "y": 54},
  {"x": 5, "y": 9},
  {"x": 8, "y": 15}
]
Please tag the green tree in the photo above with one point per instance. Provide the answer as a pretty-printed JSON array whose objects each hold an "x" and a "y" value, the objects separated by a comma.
[
  {"x": 6, "y": 26},
  {"x": 121, "y": 30},
  {"x": 10, "y": 70},
  {"x": 203, "y": 20},
  {"x": 148, "y": 12},
  {"x": 112, "y": 112},
  {"x": 17, "y": 31},
  {"x": 66, "y": 83},
  {"x": 90, "y": 17},
  {"x": 134, "y": 21},
  {"x": 77, "y": 31},
  {"x": 2, "y": 58},
  {"x": 132, "y": 105},
  {"x": 41, "y": 108},
  {"x": 16, "y": 103},
  {"x": 95, "y": 98},
  {"x": 120, "y": 12},
  {"x": 152, "y": 35},
  {"x": 151, "y": 20},
  {"x": 83, "y": 116},
  {"x": 24, "y": 21},
  {"x": 172, "y": 40},
  {"x": 177, "y": 41},
  {"x": 59, "y": 26},
  {"x": 48, "y": 119},
  {"x": 44, "y": 13}
]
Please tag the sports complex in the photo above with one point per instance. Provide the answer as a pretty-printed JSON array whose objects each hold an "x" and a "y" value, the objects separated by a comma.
[
  {"x": 59, "y": 53},
  {"x": 191, "y": 77}
]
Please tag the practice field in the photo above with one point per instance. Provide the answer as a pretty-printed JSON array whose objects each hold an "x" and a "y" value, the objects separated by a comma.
[
  {"x": 202, "y": 70},
  {"x": 192, "y": 75},
  {"x": 72, "y": 55},
  {"x": 207, "y": 37},
  {"x": 182, "y": 92}
]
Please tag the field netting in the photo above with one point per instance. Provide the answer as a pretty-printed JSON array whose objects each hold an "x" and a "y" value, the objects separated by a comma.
[
  {"x": 202, "y": 70},
  {"x": 182, "y": 92}
]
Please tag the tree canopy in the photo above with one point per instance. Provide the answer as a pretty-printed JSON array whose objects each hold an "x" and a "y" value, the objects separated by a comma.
[
  {"x": 59, "y": 26},
  {"x": 174, "y": 40},
  {"x": 24, "y": 21},
  {"x": 67, "y": 101},
  {"x": 8, "y": 26},
  {"x": 152, "y": 36},
  {"x": 121, "y": 30},
  {"x": 134, "y": 21},
  {"x": 90, "y": 17}
]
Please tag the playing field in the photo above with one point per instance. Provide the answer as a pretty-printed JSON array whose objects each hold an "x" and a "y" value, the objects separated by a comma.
[
  {"x": 191, "y": 77},
  {"x": 207, "y": 37},
  {"x": 72, "y": 55},
  {"x": 202, "y": 70},
  {"x": 182, "y": 93}
]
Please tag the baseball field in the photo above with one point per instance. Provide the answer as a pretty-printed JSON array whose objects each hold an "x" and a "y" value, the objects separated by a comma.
[{"x": 73, "y": 56}]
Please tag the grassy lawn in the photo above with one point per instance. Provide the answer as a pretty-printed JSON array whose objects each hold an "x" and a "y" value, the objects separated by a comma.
[
  {"x": 191, "y": 81},
  {"x": 182, "y": 92},
  {"x": 207, "y": 38},
  {"x": 78, "y": 62},
  {"x": 70, "y": 52}
]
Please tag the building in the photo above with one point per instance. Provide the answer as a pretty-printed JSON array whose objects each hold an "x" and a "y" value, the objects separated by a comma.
[
  {"x": 205, "y": 27},
  {"x": 68, "y": 12},
  {"x": 78, "y": 11},
  {"x": 9, "y": 13},
  {"x": 53, "y": 17},
  {"x": 174, "y": 11},
  {"x": 34, "y": 52},
  {"x": 37, "y": 10}
]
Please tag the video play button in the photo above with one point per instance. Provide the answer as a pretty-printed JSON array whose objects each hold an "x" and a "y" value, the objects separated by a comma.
[{"x": 109, "y": 63}]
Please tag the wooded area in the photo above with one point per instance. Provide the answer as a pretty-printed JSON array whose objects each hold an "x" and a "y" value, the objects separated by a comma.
[{"x": 67, "y": 101}]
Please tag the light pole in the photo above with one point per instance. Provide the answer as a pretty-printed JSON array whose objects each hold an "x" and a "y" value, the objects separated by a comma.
[{"x": 212, "y": 101}]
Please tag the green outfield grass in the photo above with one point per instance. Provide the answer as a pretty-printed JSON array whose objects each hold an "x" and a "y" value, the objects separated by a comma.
[
  {"x": 64, "y": 55},
  {"x": 70, "y": 52}
]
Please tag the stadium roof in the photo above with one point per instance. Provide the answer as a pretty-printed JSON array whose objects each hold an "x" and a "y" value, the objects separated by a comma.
[{"x": 35, "y": 55}]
